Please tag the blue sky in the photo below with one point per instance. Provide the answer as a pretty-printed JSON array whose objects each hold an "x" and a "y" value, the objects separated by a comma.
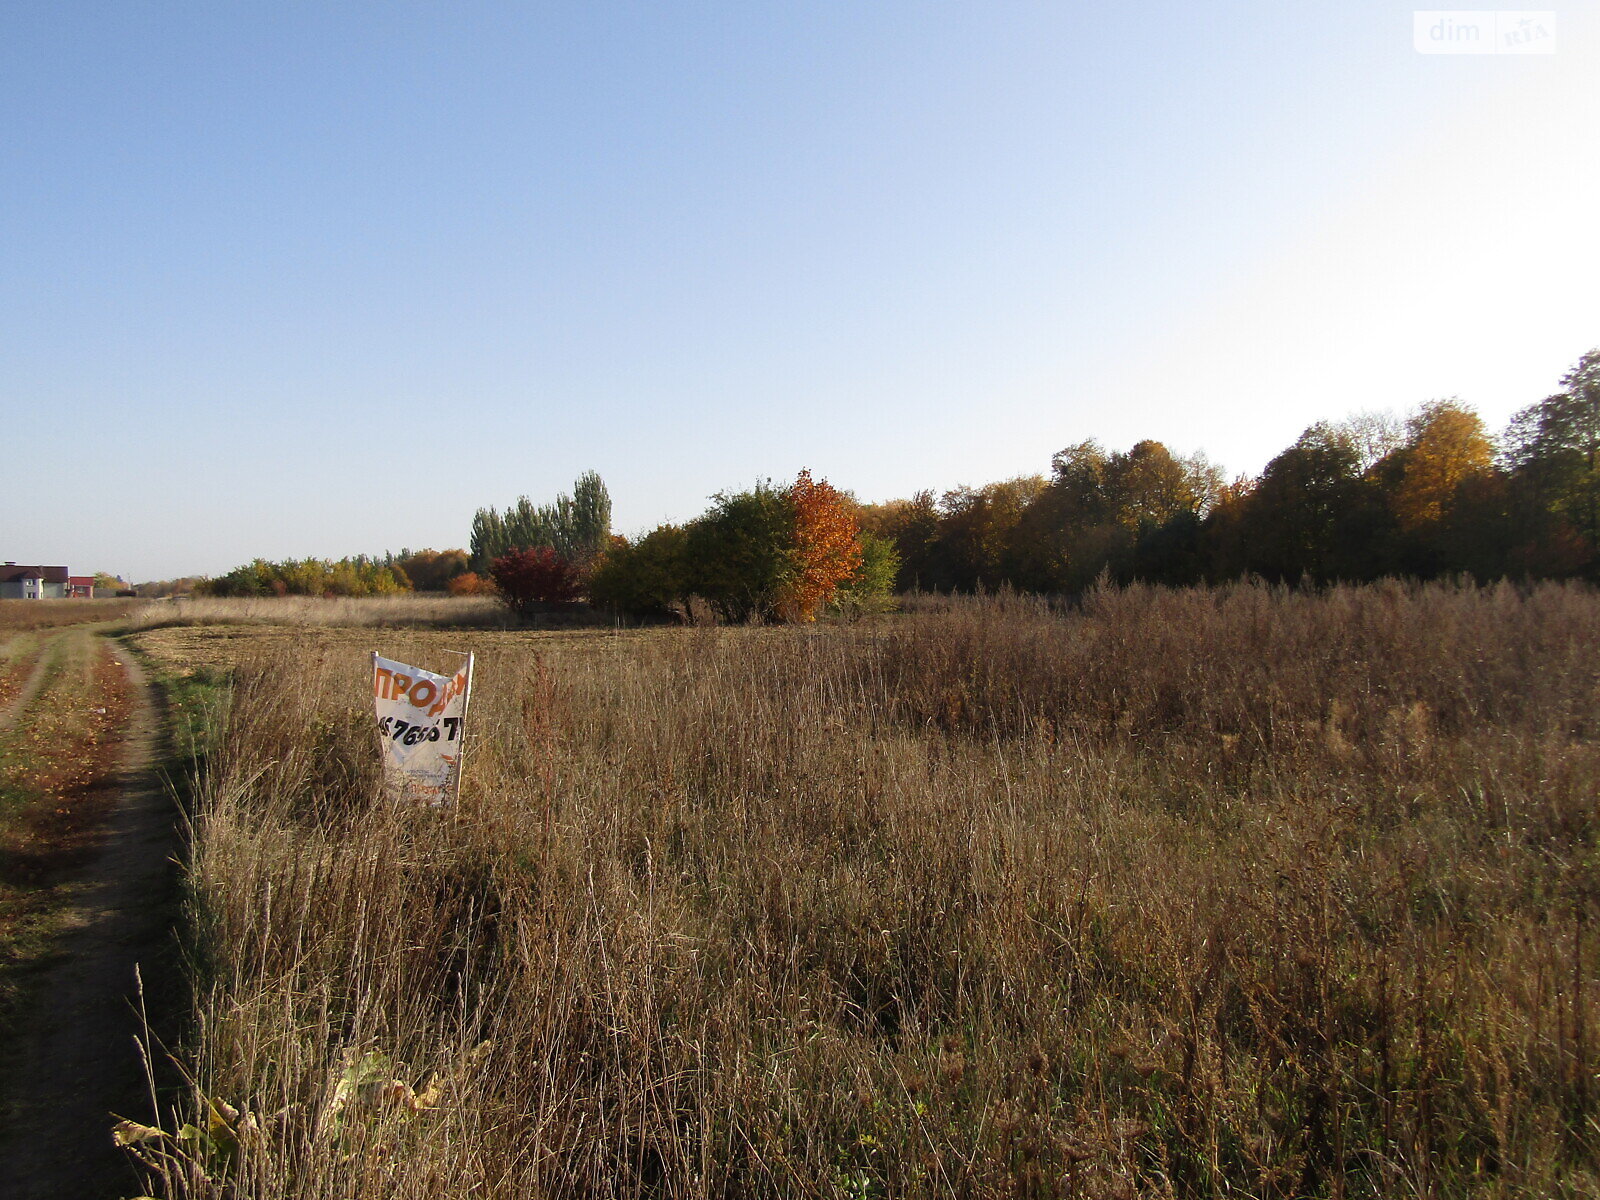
[{"x": 315, "y": 279}]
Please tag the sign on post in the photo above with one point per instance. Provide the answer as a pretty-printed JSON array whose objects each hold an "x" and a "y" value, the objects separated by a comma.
[{"x": 421, "y": 719}]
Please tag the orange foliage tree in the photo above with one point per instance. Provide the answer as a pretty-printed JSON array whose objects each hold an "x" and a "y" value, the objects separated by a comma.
[{"x": 827, "y": 547}]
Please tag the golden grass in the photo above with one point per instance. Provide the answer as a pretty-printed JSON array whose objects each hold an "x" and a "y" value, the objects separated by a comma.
[
  {"x": 377, "y": 611},
  {"x": 18, "y": 615},
  {"x": 1199, "y": 893}
]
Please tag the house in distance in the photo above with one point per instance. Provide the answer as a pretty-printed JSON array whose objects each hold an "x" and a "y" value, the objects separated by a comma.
[{"x": 37, "y": 583}]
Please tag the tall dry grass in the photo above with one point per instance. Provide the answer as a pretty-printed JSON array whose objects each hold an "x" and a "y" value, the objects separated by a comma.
[{"x": 1197, "y": 893}]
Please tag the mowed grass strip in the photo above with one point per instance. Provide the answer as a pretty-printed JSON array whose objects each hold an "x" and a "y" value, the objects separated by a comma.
[{"x": 58, "y": 778}]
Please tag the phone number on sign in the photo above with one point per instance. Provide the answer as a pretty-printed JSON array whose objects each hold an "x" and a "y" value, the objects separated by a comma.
[{"x": 407, "y": 734}]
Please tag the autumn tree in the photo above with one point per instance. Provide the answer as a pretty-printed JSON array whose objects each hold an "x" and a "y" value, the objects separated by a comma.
[
  {"x": 471, "y": 584},
  {"x": 1225, "y": 549},
  {"x": 975, "y": 539},
  {"x": 826, "y": 547},
  {"x": 1149, "y": 486},
  {"x": 1134, "y": 513}
]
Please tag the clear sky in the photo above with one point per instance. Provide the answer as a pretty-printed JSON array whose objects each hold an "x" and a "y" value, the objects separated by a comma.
[{"x": 290, "y": 279}]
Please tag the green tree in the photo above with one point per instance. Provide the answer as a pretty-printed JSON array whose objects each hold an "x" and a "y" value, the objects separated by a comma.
[
  {"x": 740, "y": 556},
  {"x": 913, "y": 527},
  {"x": 577, "y": 527},
  {"x": 490, "y": 539},
  {"x": 647, "y": 579},
  {"x": 1553, "y": 448},
  {"x": 1314, "y": 514},
  {"x": 586, "y": 526},
  {"x": 870, "y": 588}
]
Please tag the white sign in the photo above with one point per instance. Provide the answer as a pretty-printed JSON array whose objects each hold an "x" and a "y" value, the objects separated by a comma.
[{"x": 420, "y": 725}]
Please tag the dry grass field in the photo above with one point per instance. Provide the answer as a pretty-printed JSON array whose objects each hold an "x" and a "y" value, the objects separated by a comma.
[
  {"x": 407, "y": 611},
  {"x": 20, "y": 615},
  {"x": 1190, "y": 894}
]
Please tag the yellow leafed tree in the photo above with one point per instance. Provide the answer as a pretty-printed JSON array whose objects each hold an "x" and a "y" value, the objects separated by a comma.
[{"x": 1447, "y": 445}]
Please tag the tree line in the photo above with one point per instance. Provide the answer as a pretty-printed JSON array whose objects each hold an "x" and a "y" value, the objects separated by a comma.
[
  {"x": 358, "y": 576},
  {"x": 1354, "y": 500},
  {"x": 769, "y": 553},
  {"x": 386, "y": 574},
  {"x": 1349, "y": 501}
]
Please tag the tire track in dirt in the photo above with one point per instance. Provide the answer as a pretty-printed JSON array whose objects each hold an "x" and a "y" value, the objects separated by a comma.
[
  {"x": 76, "y": 1059},
  {"x": 30, "y": 687}
]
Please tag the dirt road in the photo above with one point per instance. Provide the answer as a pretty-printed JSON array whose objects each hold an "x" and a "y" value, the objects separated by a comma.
[{"x": 76, "y": 1060}]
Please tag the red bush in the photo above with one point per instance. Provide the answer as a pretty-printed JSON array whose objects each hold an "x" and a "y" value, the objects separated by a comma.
[{"x": 535, "y": 579}]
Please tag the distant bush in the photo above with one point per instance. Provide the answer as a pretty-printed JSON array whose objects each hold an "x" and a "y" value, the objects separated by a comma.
[
  {"x": 183, "y": 586},
  {"x": 470, "y": 584},
  {"x": 773, "y": 554},
  {"x": 359, "y": 576},
  {"x": 431, "y": 570},
  {"x": 767, "y": 554}
]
